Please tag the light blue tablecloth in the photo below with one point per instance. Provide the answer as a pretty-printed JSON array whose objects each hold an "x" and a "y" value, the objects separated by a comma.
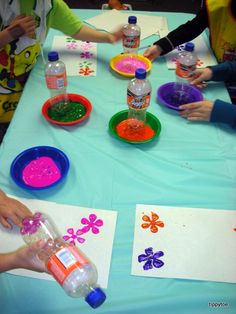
[{"x": 190, "y": 165}]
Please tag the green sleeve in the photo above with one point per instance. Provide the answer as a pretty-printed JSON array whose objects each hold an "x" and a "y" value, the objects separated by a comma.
[{"x": 62, "y": 18}]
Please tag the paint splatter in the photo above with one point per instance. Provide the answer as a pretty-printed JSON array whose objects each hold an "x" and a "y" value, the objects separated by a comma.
[
  {"x": 92, "y": 224},
  {"x": 73, "y": 236},
  {"x": 152, "y": 222},
  {"x": 151, "y": 259}
]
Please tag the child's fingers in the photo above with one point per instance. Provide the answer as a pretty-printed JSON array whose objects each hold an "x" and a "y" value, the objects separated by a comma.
[
  {"x": 5, "y": 223},
  {"x": 16, "y": 220}
]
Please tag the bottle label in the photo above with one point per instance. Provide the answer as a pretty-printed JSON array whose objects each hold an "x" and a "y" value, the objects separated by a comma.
[
  {"x": 185, "y": 71},
  {"x": 138, "y": 102},
  {"x": 58, "y": 81},
  {"x": 61, "y": 264},
  {"x": 131, "y": 41}
]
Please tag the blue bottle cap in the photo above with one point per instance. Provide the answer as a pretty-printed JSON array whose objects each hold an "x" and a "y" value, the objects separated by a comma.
[
  {"x": 95, "y": 298},
  {"x": 140, "y": 73},
  {"x": 132, "y": 20},
  {"x": 189, "y": 46},
  {"x": 53, "y": 56}
]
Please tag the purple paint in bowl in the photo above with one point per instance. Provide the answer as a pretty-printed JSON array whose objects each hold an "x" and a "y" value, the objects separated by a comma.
[{"x": 173, "y": 94}]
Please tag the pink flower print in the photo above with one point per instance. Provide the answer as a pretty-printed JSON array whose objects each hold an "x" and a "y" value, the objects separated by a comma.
[
  {"x": 86, "y": 55},
  {"x": 72, "y": 45},
  {"x": 73, "y": 236},
  {"x": 86, "y": 45},
  {"x": 92, "y": 223}
]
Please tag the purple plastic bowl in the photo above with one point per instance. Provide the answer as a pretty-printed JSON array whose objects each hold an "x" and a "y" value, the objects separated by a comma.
[{"x": 173, "y": 94}]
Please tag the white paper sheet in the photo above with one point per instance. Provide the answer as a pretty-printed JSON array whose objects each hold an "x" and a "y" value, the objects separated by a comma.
[
  {"x": 204, "y": 54},
  {"x": 111, "y": 20},
  {"x": 196, "y": 243},
  {"x": 79, "y": 57},
  {"x": 97, "y": 246}
]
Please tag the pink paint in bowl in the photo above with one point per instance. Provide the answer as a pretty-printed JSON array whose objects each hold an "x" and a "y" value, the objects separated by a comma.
[
  {"x": 41, "y": 172},
  {"x": 130, "y": 64}
]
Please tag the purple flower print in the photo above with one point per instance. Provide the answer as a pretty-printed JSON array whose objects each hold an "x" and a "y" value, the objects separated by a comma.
[
  {"x": 73, "y": 236},
  {"x": 86, "y": 55},
  {"x": 92, "y": 223},
  {"x": 151, "y": 259}
]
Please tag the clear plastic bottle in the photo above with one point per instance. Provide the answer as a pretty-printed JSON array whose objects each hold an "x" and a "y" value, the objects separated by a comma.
[
  {"x": 138, "y": 95},
  {"x": 67, "y": 264},
  {"x": 55, "y": 74},
  {"x": 186, "y": 63},
  {"x": 131, "y": 36}
]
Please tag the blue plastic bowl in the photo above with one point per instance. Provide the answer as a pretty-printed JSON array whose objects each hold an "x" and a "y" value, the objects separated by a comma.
[
  {"x": 173, "y": 94},
  {"x": 28, "y": 155}
]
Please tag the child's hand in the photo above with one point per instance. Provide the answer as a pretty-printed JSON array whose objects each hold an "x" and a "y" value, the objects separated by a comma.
[
  {"x": 197, "y": 111},
  {"x": 153, "y": 52},
  {"x": 22, "y": 25},
  {"x": 200, "y": 76},
  {"x": 26, "y": 257},
  {"x": 13, "y": 210},
  {"x": 116, "y": 36}
]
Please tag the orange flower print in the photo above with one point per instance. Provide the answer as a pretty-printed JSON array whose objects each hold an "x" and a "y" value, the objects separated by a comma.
[{"x": 152, "y": 222}]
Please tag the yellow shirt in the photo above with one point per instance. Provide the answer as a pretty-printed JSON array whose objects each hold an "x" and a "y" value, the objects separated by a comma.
[
  {"x": 18, "y": 57},
  {"x": 222, "y": 26}
]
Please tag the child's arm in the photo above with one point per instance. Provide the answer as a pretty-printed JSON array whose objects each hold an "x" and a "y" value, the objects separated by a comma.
[
  {"x": 24, "y": 257},
  {"x": 87, "y": 33},
  {"x": 20, "y": 26},
  {"x": 13, "y": 210}
]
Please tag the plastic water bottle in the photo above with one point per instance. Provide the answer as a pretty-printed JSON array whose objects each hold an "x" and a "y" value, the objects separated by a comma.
[
  {"x": 138, "y": 95},
  {"x": 131, "y": 36},
  {"x": 186, "y": 64},
  {"x": 55, "y": 74},
  {"x": 67, "y": 264}
]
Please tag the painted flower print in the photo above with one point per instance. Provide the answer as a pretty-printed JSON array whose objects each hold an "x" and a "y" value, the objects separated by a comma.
[
  {"x": 73, "y": 236},
  {"x": 152, "y": 222},
  {"x": 151, "y": 259},
  {"x": 92, "y": 223}
]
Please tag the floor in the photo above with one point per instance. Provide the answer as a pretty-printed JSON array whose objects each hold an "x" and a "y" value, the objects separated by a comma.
[{"x": 187, "y": 6}]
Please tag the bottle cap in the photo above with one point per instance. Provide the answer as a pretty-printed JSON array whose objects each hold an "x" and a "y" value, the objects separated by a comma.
[
  {"x": 189, "y": 46},
  {"x": 132, "y": 20},
  {"x": 53, "y": 56},
  {"x": 140, "y": 73},
  {"x": 95, "y": 298}
]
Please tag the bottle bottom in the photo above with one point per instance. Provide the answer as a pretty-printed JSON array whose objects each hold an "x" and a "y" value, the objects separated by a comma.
[
  {"x": 57, "y": 92},
  {"x": 139, "y": 114},
  {"x": 131, "y": 50}
]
